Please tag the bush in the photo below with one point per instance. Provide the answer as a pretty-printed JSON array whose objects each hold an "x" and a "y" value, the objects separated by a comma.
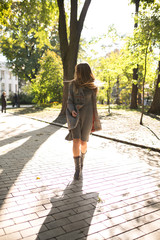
[
  {"x": 48, "y": 84},
  {"x": 26, "y": 98}
]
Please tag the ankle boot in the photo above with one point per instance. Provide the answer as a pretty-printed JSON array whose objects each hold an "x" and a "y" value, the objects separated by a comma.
[
  {"x": 82, "y": 159},
  {"x": 77, "y": 161}
]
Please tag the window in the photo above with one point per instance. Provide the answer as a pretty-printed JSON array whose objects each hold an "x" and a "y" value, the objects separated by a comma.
[
  {"x": 2, "y": 87},
  {"x": 10, "y": 88},
  {"x": 10, "y": 75},
  {"x": 16, "y": 88},
  {"x": 2, "y": 74}
]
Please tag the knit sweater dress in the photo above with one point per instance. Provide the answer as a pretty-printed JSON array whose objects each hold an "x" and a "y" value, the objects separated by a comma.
[
  {"x": 84, "y": 126},
  {"x": 83, "y": 101}
]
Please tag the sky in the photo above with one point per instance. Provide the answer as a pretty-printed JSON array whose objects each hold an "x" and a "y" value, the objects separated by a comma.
[{"x": 102, "y": 13}]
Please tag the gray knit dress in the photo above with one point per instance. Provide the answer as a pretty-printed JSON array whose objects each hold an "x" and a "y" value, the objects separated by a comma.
[{"x": 84, "y": 126}]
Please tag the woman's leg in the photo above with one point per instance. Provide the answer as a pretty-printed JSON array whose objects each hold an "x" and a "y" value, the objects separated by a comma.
[
  {"x": 76, "y": 147},
  {"x": 83, "y": 152},
  {"x": 83, "y": 146},
  {"x": 77, "y": 158}
]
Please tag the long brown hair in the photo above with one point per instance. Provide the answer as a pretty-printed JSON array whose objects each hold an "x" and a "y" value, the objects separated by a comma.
[{"x": 84, "y": 77}]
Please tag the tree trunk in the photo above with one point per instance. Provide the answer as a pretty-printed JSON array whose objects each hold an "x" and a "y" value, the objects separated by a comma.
[
  {"x": 69, "y": 48},
  {"x": 144, "y": 79},
  {"x": 133, "y": 104},
  {"x": 109, "y": 95},
  {"x": 155, "y": 106},
  {"x": 117, "y": 92},
  {"x": 134, "y": 90}
]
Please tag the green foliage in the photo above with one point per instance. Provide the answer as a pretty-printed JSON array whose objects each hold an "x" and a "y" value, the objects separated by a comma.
[
  {"x": 5, "y": 11},
  {"x": 26, "y": 34},
  {"x": 102, "y": 94},
  {"x": 145, "y": 39},
  {"x": 26, "y": 98},
  {"x": 144, "y": 1},
  {"x": 48, "y": 84},
  {"x": 115, "y": 69}
]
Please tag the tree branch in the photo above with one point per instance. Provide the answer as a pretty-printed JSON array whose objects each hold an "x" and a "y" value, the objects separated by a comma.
[
  {"x": 73, "y": 18},
  {"x": 62, "y": 29},
  {"x": 83, "y": 13}
]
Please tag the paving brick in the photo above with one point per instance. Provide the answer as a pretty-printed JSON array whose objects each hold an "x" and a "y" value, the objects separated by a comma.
[
  {"x": 51, "y": 234},
  {"x": 2, "y": 232},
  {"x": 114, "y": 221},
  {"x": 15, "y": 199},
  {"x": 57, "y": 223},
  {"x": 97, "y": 227},
  {"x": 152, "y": 236},
  {"x": 95, "y": 236},
  {"x": 40, "y": 221},
  {"x": 112, "y": 232},
  {"x": 12, "y": 215},
  {"x": 69, "y": 206},
  {"x": 33, "y": 210},
  {"x": 17, "y": 208},
  {"x": 150, "y": 227},
  {"x": 33, "y": 237},
  {"x": 43, "y": 213},
  {"x": 131, "y": 234},
  {"x": 87, "y": 202},
  {"x": 64, "y": 214},
  {"x": 16, "y": 227},
  {"x": 21, "y": 193},
  {"x": 12, "y": 236},
  {"x": 32, "y": 231},
  {"x": 9, "y": 205},
  {"x": 96, "y": 219},
  {"x": 71, "y": 235},
  {"x": 6, "y": 223},
  {"x": 25, "y": 218},
  {"x": 79, "y": 216},
  {"x": 84, "y": 208},
  {"x": 75, "y": 226},
  {"x": 3, "y": 211}
]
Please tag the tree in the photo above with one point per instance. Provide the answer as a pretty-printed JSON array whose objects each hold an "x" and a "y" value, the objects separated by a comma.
[
  {"x": 144, "y": 41},
  {"x": 26, "y": 35},
  {"x": 135, "y": 70},
  {"x": 47, "y": 86},
  {"x": 133, "y": 104},
  {"x": 114, "y": 71},
  {"x": 155, "y": 106},
  {"x": 69, "y": 46}
]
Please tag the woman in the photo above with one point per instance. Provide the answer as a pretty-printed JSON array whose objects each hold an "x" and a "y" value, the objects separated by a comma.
[{"x": 81, "y": 113}]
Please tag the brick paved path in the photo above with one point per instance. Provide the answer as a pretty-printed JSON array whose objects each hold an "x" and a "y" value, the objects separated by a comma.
[{"x": 118, "y": 197}]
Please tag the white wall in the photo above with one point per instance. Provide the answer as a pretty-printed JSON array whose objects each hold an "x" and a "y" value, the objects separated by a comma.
[{"x": 8, "y": 82}]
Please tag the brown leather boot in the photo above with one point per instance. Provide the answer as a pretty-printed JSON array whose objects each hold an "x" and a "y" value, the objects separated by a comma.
[{"x": 77, "y": 161}]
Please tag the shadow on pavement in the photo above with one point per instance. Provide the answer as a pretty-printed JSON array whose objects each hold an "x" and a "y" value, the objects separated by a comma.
[
  {"x": 13, "y": 162},
  {"x": 69, "y": 222},
  {"x": 151, "y": 131}
]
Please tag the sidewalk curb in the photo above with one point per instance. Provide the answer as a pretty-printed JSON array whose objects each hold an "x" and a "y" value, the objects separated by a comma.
[
  {"x": 99, "y": 135},
  {"x": 128, "y": 143}
]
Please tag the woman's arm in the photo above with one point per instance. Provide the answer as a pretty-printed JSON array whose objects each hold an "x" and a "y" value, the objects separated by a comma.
[{"x": 70, "y": 101}]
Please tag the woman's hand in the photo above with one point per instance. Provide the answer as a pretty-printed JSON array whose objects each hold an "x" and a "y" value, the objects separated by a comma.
[{"x": 74, "y": 113}]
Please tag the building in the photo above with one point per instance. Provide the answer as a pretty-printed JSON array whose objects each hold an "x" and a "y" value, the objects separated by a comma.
[{"x": 8, "y": 81}]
